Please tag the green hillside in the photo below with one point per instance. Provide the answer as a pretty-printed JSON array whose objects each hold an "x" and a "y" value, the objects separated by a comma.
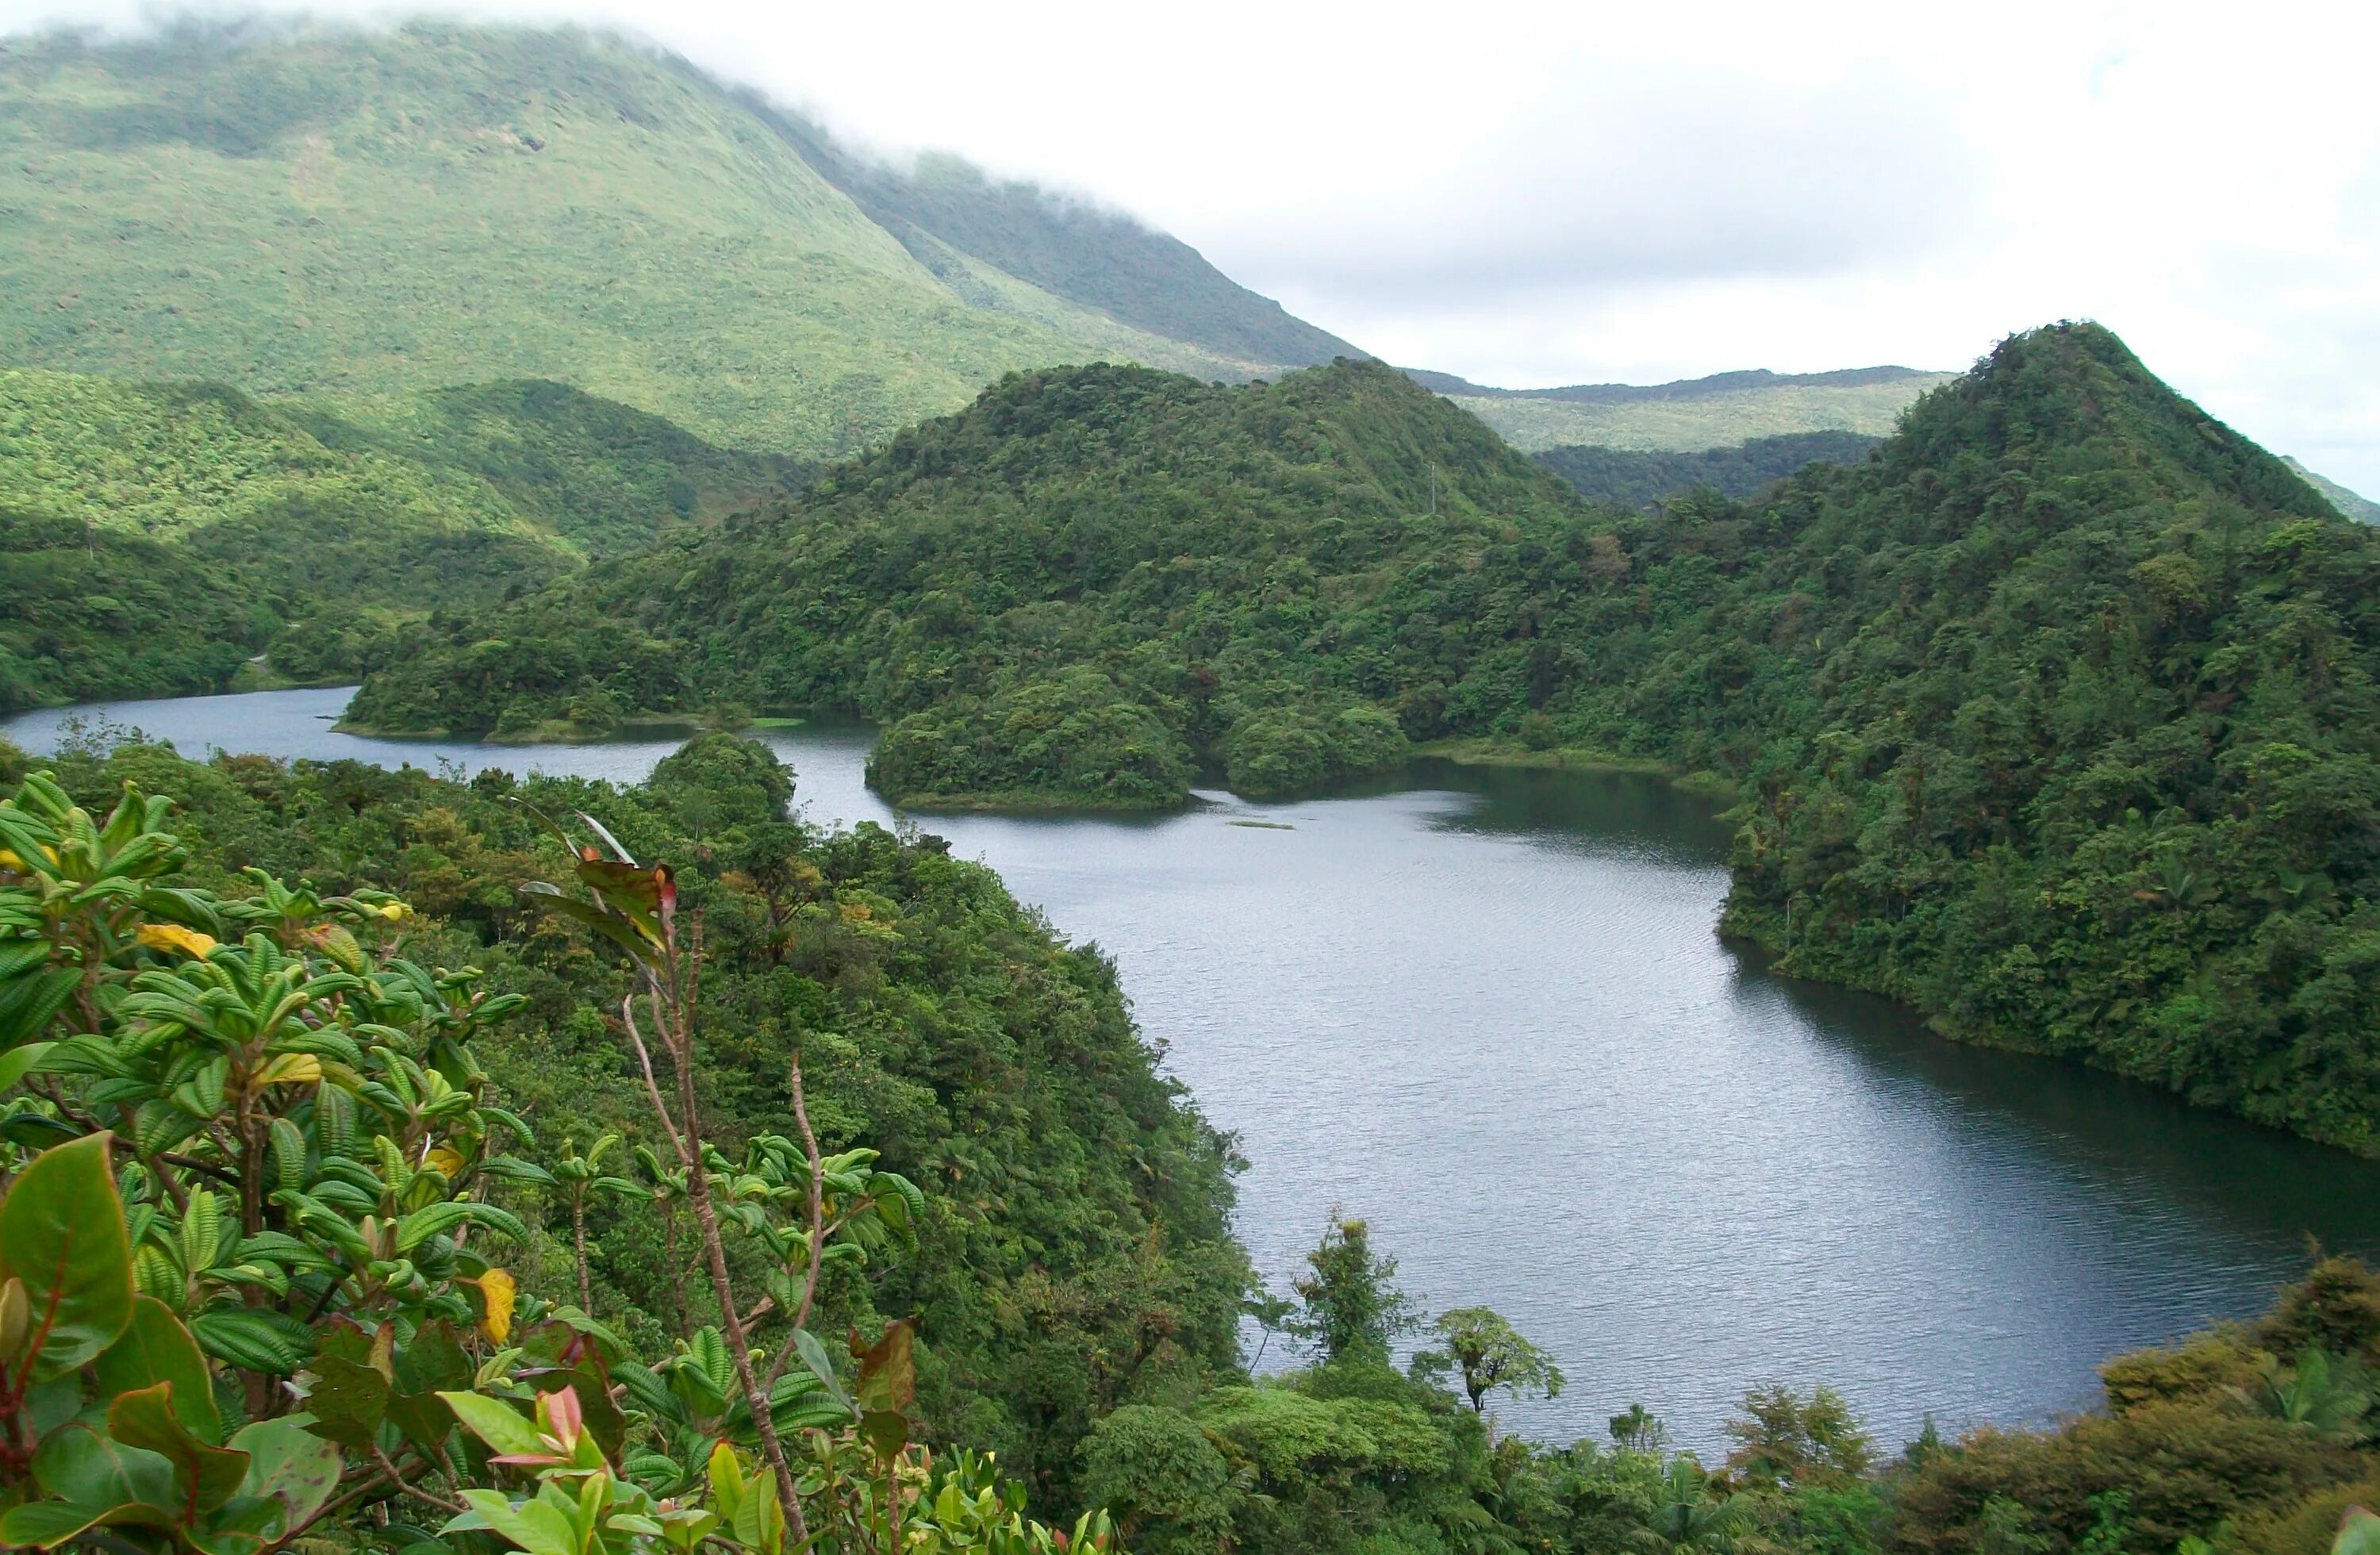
[
  {"x": 2066, "y": 676},
  {"x": 163, "y": 534},
  {"x": 1632, "y": 477},
  {"x": 363, "y": 215},
  {"x": 1082, "y": 588}
]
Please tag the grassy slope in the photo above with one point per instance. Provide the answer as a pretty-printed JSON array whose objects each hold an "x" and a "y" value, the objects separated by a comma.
[
  {"x": 363, "y": 215},
  {"x": 1716, "y": 420}
]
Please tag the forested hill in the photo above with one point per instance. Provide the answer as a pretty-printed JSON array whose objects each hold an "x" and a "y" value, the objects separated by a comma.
[
  {"x": 1078, "y": 590},
  {"x": 2055, "y": 716},
  {"x": 291, "y": 209},
  {"x": 157, "y": 536}
]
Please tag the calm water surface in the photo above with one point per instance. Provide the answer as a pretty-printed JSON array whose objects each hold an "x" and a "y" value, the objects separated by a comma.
[{"x": 1487, "y": 1012}]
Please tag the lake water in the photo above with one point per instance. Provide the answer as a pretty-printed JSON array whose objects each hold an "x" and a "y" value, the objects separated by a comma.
[{"x": 1487, "y": 1012}]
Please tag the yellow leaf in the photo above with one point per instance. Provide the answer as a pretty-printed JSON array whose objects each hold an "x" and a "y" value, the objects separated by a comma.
[
  {"x": 299, "y": 1069},
  {"x": 172, "y": 936},
  {"x": 339, "y": 945},
  {"x": 448, "y": 1161},
  {"x": 496, "y": 1290}
]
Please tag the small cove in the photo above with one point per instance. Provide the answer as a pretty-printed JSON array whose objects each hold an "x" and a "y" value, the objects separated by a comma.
[{"x": 1486, "y": 1010}]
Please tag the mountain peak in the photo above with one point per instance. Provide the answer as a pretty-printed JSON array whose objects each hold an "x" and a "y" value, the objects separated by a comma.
[{"x": 2071, "y": 398}]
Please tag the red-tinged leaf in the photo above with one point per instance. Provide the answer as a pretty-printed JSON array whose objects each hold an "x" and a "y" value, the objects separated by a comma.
[
  {"x": 62, "y": 1234},
  {"x": 204, "y": 1477}
]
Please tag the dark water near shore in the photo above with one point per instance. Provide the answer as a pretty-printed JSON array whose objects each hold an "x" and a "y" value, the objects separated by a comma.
[{"x": 1487, "y": 1012}]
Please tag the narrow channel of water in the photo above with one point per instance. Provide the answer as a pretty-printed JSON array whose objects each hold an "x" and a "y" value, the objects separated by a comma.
[{"x": 1487, "y": 1012}]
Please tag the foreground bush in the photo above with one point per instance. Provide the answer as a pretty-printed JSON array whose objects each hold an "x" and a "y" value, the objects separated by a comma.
[{"x": 252, "y": 1266}]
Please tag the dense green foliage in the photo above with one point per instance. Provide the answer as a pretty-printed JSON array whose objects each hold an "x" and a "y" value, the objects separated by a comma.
[
  {"x": 599, "y": 477},
  {"x": 1088, "y": 584},
  {"x": 248, "y": 1145},
  {"x": 1073, "y": 1252},
  {"x": 2058, "y": 720},
  {"x": 1628, "y": 478},
  {"x": 391, "y": 212},
  {"x": 2055, "y": 716},
  {"x": 161, "y": 534}
]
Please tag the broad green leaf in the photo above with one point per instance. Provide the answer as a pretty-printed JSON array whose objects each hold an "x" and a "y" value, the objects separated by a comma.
[
  {"x": 499, "y": 1424},
  {"x": 287, "y": 1463},
  {"x": 81, "y": 1463},
  {"x": 537, "y": 1527},
  {"x": 726, "y": 1481},
  {"x": 204, "y": 1477},
  {"x": 425, "y": 1223},
  {"x": 62, "y": 1234},
  {"x": 156, "y": 1347},
  {"x": 55, "y": 1523},
  {"x": 2359, "y": 1534},
  {"x": 18, "y": 1062}
]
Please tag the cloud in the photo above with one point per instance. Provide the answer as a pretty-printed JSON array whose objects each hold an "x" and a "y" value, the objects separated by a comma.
[{"x": 1556, "y": 192}]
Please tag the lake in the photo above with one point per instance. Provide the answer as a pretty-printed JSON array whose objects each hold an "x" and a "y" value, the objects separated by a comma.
[{"x": 1487, "y": 1012}]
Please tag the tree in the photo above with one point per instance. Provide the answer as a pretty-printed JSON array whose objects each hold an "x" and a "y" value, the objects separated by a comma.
[
  {"x": 1782, "y": 1439},
  {"x": 1489, "y": 1353},
  {"x": 1353, "y": 1311},
  {"x": 1638, "y": 1429}
]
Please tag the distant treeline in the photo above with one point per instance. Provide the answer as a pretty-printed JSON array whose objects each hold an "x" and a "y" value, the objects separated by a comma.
[{"x": 1633, "y": 478}]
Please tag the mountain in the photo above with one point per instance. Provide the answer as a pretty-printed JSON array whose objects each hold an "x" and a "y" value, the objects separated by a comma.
[
  {"x": 2363, "y": 510},
  {"x": 1629, "y": 477},
  {"x": 1725, "y": 409},
  {"x": 362, "y": 215},
  {"x": 2058, "y": 716},
  {"x": 161, "y": 534}
]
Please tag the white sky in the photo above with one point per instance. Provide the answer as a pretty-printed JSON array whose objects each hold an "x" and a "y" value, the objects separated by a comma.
[{"x": 1531, "y": 194}]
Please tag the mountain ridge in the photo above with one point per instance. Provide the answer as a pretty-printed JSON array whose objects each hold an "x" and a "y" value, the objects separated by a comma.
[
  {"x": 1682, "y": 388},
  {"x": 362, "y": 215}
]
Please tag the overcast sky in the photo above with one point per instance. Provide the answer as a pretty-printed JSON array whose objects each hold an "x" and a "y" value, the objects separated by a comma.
[{"x": 1555, "y": 193}]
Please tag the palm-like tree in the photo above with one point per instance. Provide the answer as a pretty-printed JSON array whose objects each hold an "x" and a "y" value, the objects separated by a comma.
[
  {"x": 581, "y": 1176},
  {"x": 1689, "y": 1517},
  {"x": 2329, "y": 1394},
  {"x": 666, "y": 1186}
]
